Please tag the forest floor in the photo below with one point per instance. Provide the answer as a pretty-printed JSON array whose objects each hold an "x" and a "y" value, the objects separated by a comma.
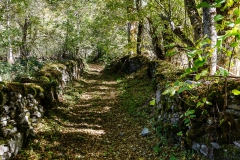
[{"x": 93, "y": 123}]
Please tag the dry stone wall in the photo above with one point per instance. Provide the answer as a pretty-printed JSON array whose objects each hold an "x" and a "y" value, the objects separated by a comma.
[
  {"x": 22, "y": 104},
  {"x": 208, "y": 128}
]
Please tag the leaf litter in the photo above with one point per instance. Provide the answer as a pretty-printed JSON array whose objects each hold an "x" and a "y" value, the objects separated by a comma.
[{"x": 91, "y": 124}]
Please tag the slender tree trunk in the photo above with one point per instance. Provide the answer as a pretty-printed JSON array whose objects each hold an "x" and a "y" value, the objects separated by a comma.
[
  {"x": 157, "y": 41},
  {"x": 209, "y": 29},
  {"x": 23, "y": 48},
  {"x": 132, "y": 28},
  {"x": 140, "y": 26},
  {"x": 65, "y": 47},
  {"x": 195, "y": 18},
  {"x": 139, "y": 37},
  {"x": 10, "y": 53}
]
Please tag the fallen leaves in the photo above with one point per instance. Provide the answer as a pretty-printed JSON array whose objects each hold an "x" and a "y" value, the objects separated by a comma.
[{"x": 91, "y": 125}]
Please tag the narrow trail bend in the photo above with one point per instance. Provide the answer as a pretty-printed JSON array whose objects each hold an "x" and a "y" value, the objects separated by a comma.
[{"x": 90, "y": 125}]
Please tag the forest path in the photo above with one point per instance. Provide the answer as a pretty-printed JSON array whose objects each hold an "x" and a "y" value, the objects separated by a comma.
[{"x": 90, "y": 124}]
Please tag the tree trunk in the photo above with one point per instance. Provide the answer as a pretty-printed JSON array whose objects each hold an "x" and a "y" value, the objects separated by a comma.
[
  {"x": 209, "y": 29},
  {"x": 9, "y": 53},
  {"x": 23, "y": 48},
  {"x": 196, "y": 20},
  {"x": 132, "y": 28},
  {"x": 140, "y": 27},
  {"x": 157, "y": 41},
  {"x": 139, "y": 37},
  {"x": 177, "y": 30}
]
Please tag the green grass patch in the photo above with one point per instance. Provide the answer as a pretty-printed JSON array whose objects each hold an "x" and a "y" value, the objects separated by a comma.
[{"x": 134, "y": 93}]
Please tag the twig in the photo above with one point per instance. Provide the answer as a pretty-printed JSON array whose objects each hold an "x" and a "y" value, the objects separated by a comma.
[
  {"x": 184, "y": 100},
  {"x": 216, "y": 76}
]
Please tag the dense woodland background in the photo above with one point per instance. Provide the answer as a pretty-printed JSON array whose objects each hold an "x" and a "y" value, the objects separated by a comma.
[{"x": 106, "y": 29}]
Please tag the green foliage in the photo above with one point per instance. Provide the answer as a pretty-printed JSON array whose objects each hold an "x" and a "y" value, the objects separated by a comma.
[
  {"x": 22, "y": 68},
  {"x": 179, "y": 87},
  {"x": 236, "y": 92},
  {"x": 156, "y": 149},
  {"x": 188, "y": 116},
  {"x": 152, "y": 102}
]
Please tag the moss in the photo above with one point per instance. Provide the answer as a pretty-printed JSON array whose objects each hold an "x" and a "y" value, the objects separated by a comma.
[
  {"x": 229, "y": 151},
  {"x": 2, "y": 85},
  {"x": 3, "y": 141},
  {"x": 16, "y": 87},
  {"x": 44, "y": 79},
  {"x": 32, "y": 88}
]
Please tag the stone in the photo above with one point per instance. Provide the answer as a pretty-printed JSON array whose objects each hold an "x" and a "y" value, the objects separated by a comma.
[
  {"x": 35, "y": 102},
  {"x": 215, "y": 145},
  {"x": 40, "y": 108},
  {"x": 234, "y": 106},
  {"x": 38, "y": 114},
  {"x": 145, "y": 132},
  {"x": 233, "y": 112},
  {"x": 174, "y": 120},
  {"x": 16, "y": 143},
  {"x": 6, "y": 155},
  {"x": 5, "y": 109},
  {"x": 195, "y": 146},
  {"x": 12, "y": 144},
  {"x": 2, "y": 150},
  {"x": 41, "y": 95},
  {"x": 29, "y": 96},
  {"x": 34, "y": 119},
  {"x": 4, "y": 118},
  {"x": 24, "y": 120},
  {"x": 12, "y": 122},
  {"x": 121, "y": 133},
  {"x": 4, "y": 123},
  {"x": 237, "y": 143},
  {"x": 6, "y": 148},
  {"x": 19, "y": 96},
  {"x": 209, "y": 121},
  {"x": 204, "y": 150},
  {"x": 4, "y": 132},
  {"x": 31, "y": 105},
  {"x": 13, "y": 131},
  {"x": 12, "y": 114}
]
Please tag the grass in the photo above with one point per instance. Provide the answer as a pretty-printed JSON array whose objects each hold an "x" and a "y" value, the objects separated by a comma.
[{"x": 134, "y": 94}]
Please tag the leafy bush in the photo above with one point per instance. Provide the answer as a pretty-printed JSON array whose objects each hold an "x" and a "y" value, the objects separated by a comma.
[{"x": 22, "y": 68}]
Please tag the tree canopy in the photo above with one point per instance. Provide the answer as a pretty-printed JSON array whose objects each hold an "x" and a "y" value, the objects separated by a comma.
[{"x": 106, "y": 29}]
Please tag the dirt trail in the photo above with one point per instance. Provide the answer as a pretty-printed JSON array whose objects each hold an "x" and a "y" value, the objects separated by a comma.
[{"x": 90, "y": 125}]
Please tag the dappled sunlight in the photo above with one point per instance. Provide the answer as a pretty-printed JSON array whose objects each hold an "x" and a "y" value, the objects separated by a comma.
[
  {"x": 92, "y": 131},
  {"x": 88, "y": 124},
  {"x": 110, "y": 82}
]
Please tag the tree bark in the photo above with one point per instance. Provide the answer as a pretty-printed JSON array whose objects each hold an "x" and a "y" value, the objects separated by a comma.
[
  {"x": 140, "y": 27},
  {"x": 178, "y": 31},
  {"x": 195, "y": 18},
  {"x": 10, "y": 52},
  {"x": 23, "y": 48},
  {"x": 209, "y": 29},
  {"x": 157, "y": 41},
  {"x": 132, "y": 28}
]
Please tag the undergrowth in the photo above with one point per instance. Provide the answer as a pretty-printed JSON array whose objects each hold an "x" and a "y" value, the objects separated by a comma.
[
  {"x": 22, "y": 68},
  {"x": 135, "y": 94},
  {"x": 135, "y": 97}
]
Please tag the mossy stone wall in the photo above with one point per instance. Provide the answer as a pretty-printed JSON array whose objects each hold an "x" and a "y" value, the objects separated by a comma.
[{"x": 22, "y": 104}]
